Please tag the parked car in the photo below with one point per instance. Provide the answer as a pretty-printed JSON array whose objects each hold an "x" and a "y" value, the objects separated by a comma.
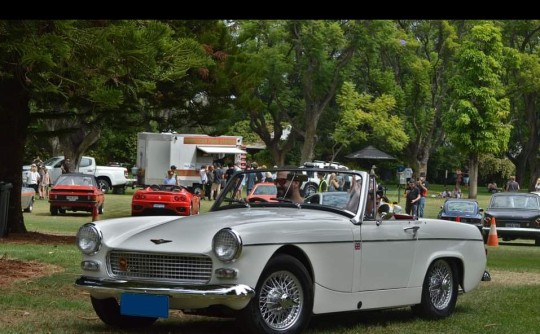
[
  {"x": 165, "y": 200},
  {"x": 76, "y": 192},
  {"x": 272, "y": 265},
  {"x": 517, "y": 216},
  {"x": 114, "y": 178},
  {"x": 467, "y": 210},
  {"x": 332, "y": 198},
  {"x": 28, "y": 196},
  {"x": 265, "y": 191}
]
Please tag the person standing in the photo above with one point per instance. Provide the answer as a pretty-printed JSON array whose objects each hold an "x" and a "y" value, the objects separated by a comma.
[
  {"x": 537, "y": 185},
  {"x": 170, "y": 179},
  {"x": 176, "y": 178},
  {"x": 210, "y": 181},
  {"x": 512, "y": 184},
  {"x": 33, "y": 178},
  {"x": 413, "y": 198},
  {"x": 323, "y": 185},
  {"x": 204, "y": 180},
  {"x": 423, "y": 187},
  {"x": 45, "y": 182}
]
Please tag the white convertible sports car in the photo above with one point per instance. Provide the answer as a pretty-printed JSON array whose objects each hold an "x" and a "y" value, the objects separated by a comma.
[{"x": 273, "y": 264}]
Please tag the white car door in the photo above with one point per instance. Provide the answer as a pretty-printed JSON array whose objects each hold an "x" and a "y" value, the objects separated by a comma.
[{"x": 387, "y": 254}]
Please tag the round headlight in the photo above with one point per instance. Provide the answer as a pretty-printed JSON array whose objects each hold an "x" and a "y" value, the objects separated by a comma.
[
  {"x": 89, "y": 239},
  {"x": 227, "y": 245}
]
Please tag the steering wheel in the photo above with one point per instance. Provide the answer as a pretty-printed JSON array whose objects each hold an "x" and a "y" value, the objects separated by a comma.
[
  {"x": 257, "y": 199},
  {"x": 155, "y": 187}
]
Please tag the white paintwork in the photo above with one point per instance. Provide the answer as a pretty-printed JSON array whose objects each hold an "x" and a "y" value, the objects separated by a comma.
[{"x": 353, "y": 259}]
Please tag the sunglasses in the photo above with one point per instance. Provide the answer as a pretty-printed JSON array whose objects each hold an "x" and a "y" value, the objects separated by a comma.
[{"x": 280, "y": 181}]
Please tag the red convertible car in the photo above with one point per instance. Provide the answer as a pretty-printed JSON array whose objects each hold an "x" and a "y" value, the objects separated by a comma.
[
  {"x": 158, "y": 200},
  {"x": 76, "y": 192}
]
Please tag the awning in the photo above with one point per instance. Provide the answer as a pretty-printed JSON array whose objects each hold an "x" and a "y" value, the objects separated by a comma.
[{"x": 221, "y": 149}]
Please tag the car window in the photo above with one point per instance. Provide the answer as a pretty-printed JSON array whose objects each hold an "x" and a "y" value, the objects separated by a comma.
[{"x": 466, "y": 207}]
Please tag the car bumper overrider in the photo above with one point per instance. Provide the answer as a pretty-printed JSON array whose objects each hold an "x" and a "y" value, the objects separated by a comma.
[{"x": 194, "y": 296}]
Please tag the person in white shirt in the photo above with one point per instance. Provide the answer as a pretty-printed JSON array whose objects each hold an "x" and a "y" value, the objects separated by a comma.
[{"x": 33, "y": 178}]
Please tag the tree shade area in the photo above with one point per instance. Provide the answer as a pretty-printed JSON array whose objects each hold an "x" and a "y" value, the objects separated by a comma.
[{"x": 438, "y": 95}]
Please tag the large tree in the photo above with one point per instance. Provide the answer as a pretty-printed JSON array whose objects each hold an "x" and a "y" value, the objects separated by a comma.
[
  {"x": 523, "y": 84},
  {"x": 77, "y": 76},
  {"x": 477, "y": 122},
  {"x": 289, "y": 72}
]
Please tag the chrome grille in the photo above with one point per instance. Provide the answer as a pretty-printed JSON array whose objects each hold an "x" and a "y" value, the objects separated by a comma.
[{"x": 186, "y": 269}]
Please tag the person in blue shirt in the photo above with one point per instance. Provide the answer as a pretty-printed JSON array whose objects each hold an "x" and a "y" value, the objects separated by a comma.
[{"x": 170, "y": 179}]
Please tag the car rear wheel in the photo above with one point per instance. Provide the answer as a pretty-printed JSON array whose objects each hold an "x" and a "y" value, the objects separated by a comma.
[
  {"x": 103, "y": 185},
  {"x": 108, "y": 310},
  {"x": 439, "y": 291},
  {"x": 53, "y": 210},
  {"x": 283, "y": 301},
  {"x": 30, "y": 206}
]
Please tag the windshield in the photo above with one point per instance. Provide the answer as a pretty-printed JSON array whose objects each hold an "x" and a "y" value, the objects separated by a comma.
[
  {"x": 294, "y": 188},
  {"x": 515, "y": 202}
]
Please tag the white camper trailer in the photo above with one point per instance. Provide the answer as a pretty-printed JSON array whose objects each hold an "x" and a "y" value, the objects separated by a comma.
[{"x": 157, "y": 152}]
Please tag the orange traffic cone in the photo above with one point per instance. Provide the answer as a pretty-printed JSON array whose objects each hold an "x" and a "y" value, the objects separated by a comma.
[
  {"x": 458, "y": 219},
  {"x": 493, "y": 239}
]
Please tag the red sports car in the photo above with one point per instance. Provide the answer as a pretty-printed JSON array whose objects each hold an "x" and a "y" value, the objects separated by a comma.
[
  {"x": 157, "y": 200},
  {"x": 264, "y": 191},
  {"x": 76, "y": 192}
]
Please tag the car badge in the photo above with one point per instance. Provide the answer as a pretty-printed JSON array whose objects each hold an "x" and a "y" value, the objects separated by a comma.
[
  {"x": 123, "y": 264},
  {"x": 160, "y": 241}
]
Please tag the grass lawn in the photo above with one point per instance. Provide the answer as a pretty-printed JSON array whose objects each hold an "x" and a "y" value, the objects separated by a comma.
[{"x": 51, "y": 304}]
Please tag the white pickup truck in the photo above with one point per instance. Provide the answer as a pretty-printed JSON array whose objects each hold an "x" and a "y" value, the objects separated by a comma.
[{"x": 114, "y": 178}]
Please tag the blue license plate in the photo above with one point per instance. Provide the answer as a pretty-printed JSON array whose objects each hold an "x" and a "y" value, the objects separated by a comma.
[
  {"x": 159, "y": 206},
  {"x": 137, "y": 304}
]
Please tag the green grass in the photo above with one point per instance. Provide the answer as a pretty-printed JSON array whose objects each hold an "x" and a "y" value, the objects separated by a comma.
[{"x": 51, "y": 304}]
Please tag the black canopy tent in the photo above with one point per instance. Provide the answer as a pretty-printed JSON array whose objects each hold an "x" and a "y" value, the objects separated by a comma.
[{"x": 370, "y": 153}]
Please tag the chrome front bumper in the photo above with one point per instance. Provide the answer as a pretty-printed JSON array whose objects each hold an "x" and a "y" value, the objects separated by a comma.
[{"x": 233, "y": 296}]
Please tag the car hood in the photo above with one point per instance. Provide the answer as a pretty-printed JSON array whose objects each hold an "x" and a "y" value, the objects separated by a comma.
[{"x": 195, "y": 233}]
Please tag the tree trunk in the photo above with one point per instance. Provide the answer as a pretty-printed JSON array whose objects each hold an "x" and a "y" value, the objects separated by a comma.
[
  {"x": 15, "y": 118},
  {"x": 473, "y": 175}
]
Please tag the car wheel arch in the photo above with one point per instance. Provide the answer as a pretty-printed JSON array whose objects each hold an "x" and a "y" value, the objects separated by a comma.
[{"x": 299, "y": 254}]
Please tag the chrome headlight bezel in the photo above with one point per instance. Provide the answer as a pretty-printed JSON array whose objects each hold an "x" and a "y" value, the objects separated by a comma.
[
  {"x": 227, "y": 245},
  {"x": 89, "y": 239}
]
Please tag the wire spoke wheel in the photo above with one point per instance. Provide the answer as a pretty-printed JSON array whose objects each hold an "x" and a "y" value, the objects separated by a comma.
[{"x": 281, "y": 300}]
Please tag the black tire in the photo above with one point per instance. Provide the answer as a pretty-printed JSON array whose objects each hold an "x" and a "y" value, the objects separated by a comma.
[
  {"x": 283, "y": 301},
  {"x": 101, "y": 209},
  {"x": 62, "y": 211},
  {"x": 537, "y": 242},
  {"x": 104, "y": 185},
  {"x": 310, "y": 188},
  {"x": 30, "y": 206},
  {"x": 53, "y": 210},
  {"x": 439, "y": 291},
  {"x": 108, "y": 310}
]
